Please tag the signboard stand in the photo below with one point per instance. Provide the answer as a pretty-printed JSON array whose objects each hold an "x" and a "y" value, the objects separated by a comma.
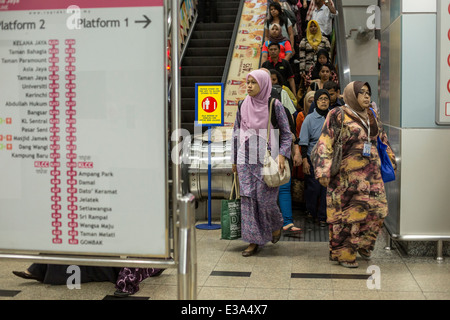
[
  {"x": 209, "y": 225},
  {"x": 208, "y": 113}
]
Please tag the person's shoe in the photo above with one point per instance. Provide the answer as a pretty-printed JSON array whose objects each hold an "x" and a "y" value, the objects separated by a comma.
[
  {"x": 366, "y": 254},
  {"x": 276, "y": 237},
  {"x": 158, "y": 273},
  {"x": 25, "y": 275},
  {"x": 249, "y": 252},
  {"x": 349, "y": 264},
  {"x": 121, "y": 294}
]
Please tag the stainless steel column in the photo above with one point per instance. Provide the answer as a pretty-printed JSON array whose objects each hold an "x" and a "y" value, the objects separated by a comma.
[
  {"x": 182, "y": 207},
  {"x": 175, "y": 104},
  {"x": 439, "y": 257},
  {"x": 341, "y": 48},
  {"x": 187, "y": 260}
]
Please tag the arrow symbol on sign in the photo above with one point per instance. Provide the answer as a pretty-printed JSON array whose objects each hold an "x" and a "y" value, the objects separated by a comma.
[{"x": 147, "y": 21}]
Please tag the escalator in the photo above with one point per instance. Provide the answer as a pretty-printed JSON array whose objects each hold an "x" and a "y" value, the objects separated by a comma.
[{"x": 205, "y": 57}]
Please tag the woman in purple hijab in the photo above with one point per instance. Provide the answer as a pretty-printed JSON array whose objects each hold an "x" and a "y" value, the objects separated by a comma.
[{"x": 261, "y": 219}]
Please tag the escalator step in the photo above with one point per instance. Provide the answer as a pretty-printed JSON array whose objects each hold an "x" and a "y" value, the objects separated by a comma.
[
  {"x": 201, "y": 61},
  {"x": 213, "y": 26},
  {"x": 227, "y": 11},
  {"x": 200, "y": 71},
  {"x": 187, "y": 115},
  {"x": 227, "y": 19},
  {"x": 188, "y": 104},
  {"x": 188, "y": 84},
  {"x": 207, "y": 52},
  {"x": 188, "y": 91},
  {"x": 204, "y": 43},
  {"x": 212, "y": 34}
]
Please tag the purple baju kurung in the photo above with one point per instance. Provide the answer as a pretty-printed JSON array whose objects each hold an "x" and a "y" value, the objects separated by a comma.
[
  {"x": 260, "y": 214},
  {"x": 129, "y": 278}
]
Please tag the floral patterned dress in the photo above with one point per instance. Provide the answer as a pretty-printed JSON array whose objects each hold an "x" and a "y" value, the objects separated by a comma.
[
  {"x": 260, "y": 214},
  {"x": 356, "y": 197}
]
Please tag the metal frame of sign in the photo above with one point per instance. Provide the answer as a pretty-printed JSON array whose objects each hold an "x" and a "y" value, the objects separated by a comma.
[
  {"x": 212, "y": 84},
  {"x": 91, "y": 251},
  {"x": 443, "y": 63}
]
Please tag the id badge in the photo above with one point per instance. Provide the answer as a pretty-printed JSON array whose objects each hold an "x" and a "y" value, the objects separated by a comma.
[{"x": 366, "y": 149}]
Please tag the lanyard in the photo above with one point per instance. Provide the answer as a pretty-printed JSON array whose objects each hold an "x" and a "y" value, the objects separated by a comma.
[{"x": 367, "y": 125}]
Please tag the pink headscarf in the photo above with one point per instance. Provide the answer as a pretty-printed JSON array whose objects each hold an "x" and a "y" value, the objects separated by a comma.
[{"x": 254, "y": 110}]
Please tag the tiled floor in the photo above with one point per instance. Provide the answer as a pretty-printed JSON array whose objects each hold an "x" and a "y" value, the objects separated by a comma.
[{"x": 292, "y": 269}]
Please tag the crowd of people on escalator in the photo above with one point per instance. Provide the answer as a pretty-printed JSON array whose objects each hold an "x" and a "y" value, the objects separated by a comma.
[
  {"x": 297, "y": 48},
  {"x": 313, "y": 116}
]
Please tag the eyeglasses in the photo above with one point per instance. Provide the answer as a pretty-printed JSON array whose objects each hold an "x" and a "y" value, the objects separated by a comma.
[
  {"x": 323, "y": 99},
  {"x": 365, "y": 93}
]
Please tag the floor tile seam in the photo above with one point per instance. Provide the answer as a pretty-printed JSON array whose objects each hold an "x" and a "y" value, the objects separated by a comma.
[
  {"x": 332, "y": 276},
  {"x": 412, "y": 274},
  {"x": 9, "y": 292},
  {"x": 216, "y": 263},
  {"x": 199, "y": 292}
]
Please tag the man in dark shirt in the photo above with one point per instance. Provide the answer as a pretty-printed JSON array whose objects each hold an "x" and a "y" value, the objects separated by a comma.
[
  {"x": 334, "y": 91},
  {"x": 281, "y": 65}
]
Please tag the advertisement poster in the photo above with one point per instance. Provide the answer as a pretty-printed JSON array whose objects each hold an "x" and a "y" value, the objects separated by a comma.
[{"x": 246, "y": 55}]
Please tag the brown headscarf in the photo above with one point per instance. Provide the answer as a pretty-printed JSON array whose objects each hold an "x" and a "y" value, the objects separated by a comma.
[
  {"x": 350, "y": 97},
  {"x": 279, "y": 37}
]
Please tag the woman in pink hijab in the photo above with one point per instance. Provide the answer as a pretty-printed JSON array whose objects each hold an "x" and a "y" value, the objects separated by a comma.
[{"x": 261, "y": 219}]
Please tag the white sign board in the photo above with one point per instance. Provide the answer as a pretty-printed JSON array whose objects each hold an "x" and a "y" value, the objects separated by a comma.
[
  {"x": 82, "y": 127},
  {"x": 443, "y": 63}
]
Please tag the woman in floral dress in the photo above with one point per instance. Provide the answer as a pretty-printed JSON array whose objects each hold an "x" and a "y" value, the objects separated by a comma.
[
  {"x": 261, "y": 219},
  {"x": 356, "y": 197}
]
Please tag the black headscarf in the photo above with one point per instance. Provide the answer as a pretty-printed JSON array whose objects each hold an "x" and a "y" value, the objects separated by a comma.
[
  {"x": 315, "y": 71},
  {"x": 317, "y": 95}
]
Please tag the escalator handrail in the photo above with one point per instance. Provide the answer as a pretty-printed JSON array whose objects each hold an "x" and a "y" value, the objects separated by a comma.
[
  {"x": 341, "y": 47},
  {"x": 186, "y": 41},
  {"x": 232, "y": 42}
]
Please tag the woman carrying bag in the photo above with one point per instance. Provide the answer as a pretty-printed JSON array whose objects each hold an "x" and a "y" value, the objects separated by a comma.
[
  {"x": 261, "y": 219},
  {"x": 356, "y": 197}
]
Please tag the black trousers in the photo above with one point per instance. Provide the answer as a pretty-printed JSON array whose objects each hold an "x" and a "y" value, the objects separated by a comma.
[{"x": 315, "y": 195}]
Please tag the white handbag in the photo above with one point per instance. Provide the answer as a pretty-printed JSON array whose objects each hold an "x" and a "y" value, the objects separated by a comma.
[{"x": 272, "y": 177}]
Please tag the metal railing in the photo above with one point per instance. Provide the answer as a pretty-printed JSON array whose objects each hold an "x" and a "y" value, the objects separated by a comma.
[
  {"x": 232, "y": 42},
  {"x": 341, "y": 47}
]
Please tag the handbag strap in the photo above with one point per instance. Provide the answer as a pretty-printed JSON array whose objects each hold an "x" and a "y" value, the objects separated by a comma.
[
  {"x": 234, "y": 187},
  {"x": 342, "y": 125},
  {"x": 268, "y": 123},
  {"x": 237, "y": 187}
]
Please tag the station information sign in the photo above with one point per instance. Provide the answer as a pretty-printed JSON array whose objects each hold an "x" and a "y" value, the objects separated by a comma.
[{"x": 82, "y": 127}]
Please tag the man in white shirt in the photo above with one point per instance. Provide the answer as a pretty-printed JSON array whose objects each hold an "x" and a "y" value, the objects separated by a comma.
[{"x": 324, "y": 14}]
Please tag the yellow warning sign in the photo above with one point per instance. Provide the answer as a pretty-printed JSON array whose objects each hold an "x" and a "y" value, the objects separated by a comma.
[{"x": 209, "y": 104}]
